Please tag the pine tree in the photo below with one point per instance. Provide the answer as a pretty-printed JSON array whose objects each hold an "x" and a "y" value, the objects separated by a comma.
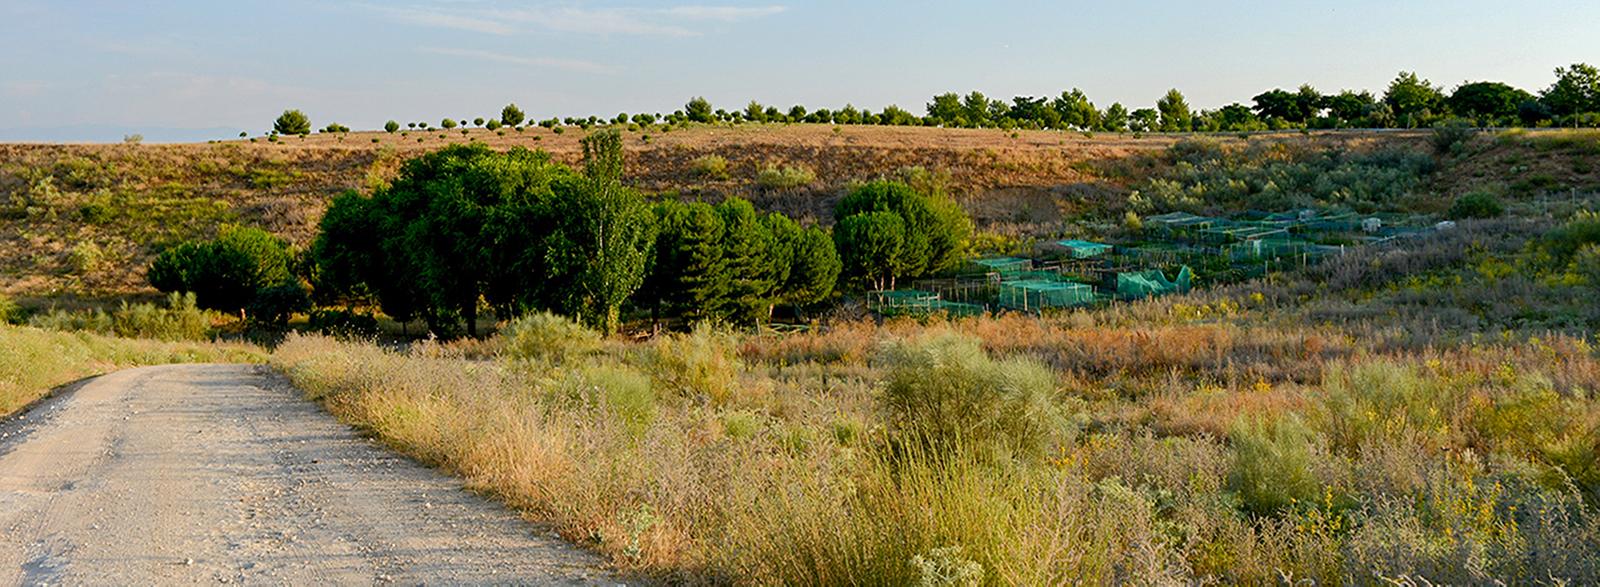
[{"x": 745, "y": 244}]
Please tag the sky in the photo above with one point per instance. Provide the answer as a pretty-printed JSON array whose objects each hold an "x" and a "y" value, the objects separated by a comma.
[{"x": 92, "y": 70}]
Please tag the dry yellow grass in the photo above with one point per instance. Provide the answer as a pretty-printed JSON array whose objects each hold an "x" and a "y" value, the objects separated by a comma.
[
  {"x": 1186, "y": 452},
  {"x": 34, "y": 361}
]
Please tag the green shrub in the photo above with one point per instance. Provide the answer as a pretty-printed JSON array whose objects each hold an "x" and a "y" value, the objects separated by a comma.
[
  {"x": 1450, "y": 134},
  {"x": 344, "y": 324},
  {"x": 702, "y": 365},
  {"x": 292, "y": 122},
  {"x": 180, "y": 320},
  {"x": 947, "y": 392},
  {"x": 1272, "y": 463},
  {"x": 1477, "y": 204},
  {"x": 710, "y": 166},
  {"x": 391, "y": 126},
  {"x": 548, "y": 339},
  {"x": 774, "y": 177},
  {"x": 273, "y": 305},
  {"x": 9, "y": 311},
  {"x": 619, "y": 390},
  {"x": 1586, "y": 263},
  {"x": 225, "y": 273},
  {"x": 85, "y": 257}
]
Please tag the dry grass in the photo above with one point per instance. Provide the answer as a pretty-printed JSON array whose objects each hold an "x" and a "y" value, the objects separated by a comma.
[
  {"x": 34, "y": 361},
  {"x": 1186, "y": 452}
]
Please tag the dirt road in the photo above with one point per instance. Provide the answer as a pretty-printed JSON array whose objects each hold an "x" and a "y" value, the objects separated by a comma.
[{"x": 223, "y": 474}]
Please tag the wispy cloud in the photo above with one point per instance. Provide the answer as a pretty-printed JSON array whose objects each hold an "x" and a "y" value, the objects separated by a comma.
[
  {"x": 661, "y": 22},
  {"x": 577, "y": 65},
  {"x": 448, "y": 20},
  {"x": 724, "y": 13}
]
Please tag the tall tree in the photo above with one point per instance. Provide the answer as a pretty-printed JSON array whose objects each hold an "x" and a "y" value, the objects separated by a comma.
[
  {"x": 1576, "y": 90},
  {"x": 1413, "y": 100},
  {"x": 602, "y": 239},
  {"x": 698, "y": 110},
  {"x": 1175, "y": 113},
  {"x": 1115, "y": 118},
  {"x": 688, "y": 275},
  {"x": 1487, "y": 101},
  {"x": 751, "y": 268}
]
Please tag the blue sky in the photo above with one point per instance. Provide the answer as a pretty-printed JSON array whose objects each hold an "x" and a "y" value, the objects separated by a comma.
[{"x": 94, "y": 70}]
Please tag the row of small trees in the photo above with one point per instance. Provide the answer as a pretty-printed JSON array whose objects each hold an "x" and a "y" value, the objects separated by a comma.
[{"x": 1408, "y": 102}]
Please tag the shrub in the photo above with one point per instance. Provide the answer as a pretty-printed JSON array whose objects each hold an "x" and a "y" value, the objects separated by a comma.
[
  {"x": 1272, "y": 463},
  {"x": 702, "y": 365},
  {"x": 85, "y": 257},
  {"x": 493, "y": 124},
  {"x": 447, "y": 123},
  {"x": 9, "y": 311},
  {"x": 344, "y": 324},
  {"x": 773, "y": 177},
  {"x": 273, "y": 305},
  {"x": 511, "y": 115},
  {"x": 292, "y": 122},
  {"x": 623, "y": 392},
  {"x": 180, "y": 320},
  {"x": 947, "y": 392},
  {"x": 1477, "y": 204},
  {"x": 710, "y": 166},
  {"x": 224, "y": 273},
  {"x": 1449, "y": 134},
  {"x": 549, "y": 339},
  {"x": 391, "y": 126}
]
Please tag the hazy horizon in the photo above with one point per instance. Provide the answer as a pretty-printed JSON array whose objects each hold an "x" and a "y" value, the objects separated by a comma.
[{"x": 189, "y": 70}]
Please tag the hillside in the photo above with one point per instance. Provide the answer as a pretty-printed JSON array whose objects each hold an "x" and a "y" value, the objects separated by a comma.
[{"x": 82, "y": 220}]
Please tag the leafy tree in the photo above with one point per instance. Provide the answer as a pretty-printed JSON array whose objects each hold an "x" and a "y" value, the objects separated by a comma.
[
  {"x": 946, "y": 109},
  {"x": 1413, "y": 100},
  {"x": 1348, "y": 107},
  {"x": 1144, "y": 120},
  {"x": 1487, "y": 101},
  {"x": 797, "y": 113},
  {"x": 751, "y": 269},
  {"x": 871, "y": 248},
  {"x": 977, "y": 109},
  {"x": 511, "y": 115},
  {"x": 1175, "y": 114},
  {"x": 1074, "y": 109},
  {"x": 492, "y": 124},
  {"x": 1115, "y": 118},
  {"x": 809, "y": 263},
  {"x": 755, "y": 112},
  {"x": 698, "y": 110},
  {"x": 292, "y": 122},
  {"x": 1477, "y": 204},
  {"x": 1237, "y": 117},
  {"x": 391, "y": 126},
  {"x": 688, "y": 274},
  {"x": 602, "y": 239},
  {"x": 447, "y": 123},
  {"x": 933, "y": 229},
  {"x": 477, "y": 121},
  {"x": 273, "y": 305},
  {"x": 897, "y": 116},
  {"x": 225, "y": 273},
  {"x": 1576, "y": 90}
]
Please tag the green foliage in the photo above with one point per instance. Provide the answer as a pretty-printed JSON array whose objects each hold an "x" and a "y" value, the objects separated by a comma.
[
  {"x": 1449, "y": 135},
  {"x": 447, "y": 123},
  {"x": 804, "y": 263},
  {"x": 179, "y": 320},
  {"x": 511, "y": 115},
  {"x": 1175, "y": 113},
  {"x": 1200, "y": 174},
  {"x": 709, "y": 167},
  {"x": 747, "y": 252},
  {"x": 1488, "y": 102},
  {"x": 548, "y": 339},
  {"x": 343, "y": 323},
  {"x": 391, "y": 126},
  {"x": 273, "y": 305},
  {"x": 224, "y": 274},
  {"x": 775, "y": 177},
  {"x": 1414, "y": 101},
  {"x": 1272, "y": 463},
  {"x": 698, "y": 110},
  {"x": 946, "y": 392},
  {"x": 926, "y": 237},
  {"x": 688, "y": 274},
  {"x": 1477, "y": 204},
  {"x": 872, "y": 248},
  {"x": 292, "y": 122},
  {"x": 493, "y": 124},
  {"x": 1576, "y": 90},
  {"x": 9, "y": 311}
]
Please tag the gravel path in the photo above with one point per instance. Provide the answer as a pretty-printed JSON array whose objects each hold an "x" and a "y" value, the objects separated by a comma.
[{"x": 223, "y": 474}]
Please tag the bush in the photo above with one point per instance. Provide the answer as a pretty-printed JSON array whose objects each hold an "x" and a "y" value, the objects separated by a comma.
[
  {"x": 272, "y": 306},
  {"x": 549, "y": 339},
  {"x": 773, "y": 177},
  {"x": 292, "y": 122},
  {"x": 511, "y": 115},
  {"x": 344, "y": 324},
  {"x": 947, "y": 392},
  {"x": 710, "y": 166},
  {"x": 1272, "y": 463},
  {"x": 180, "y": 320},
  {"x": 1449, "y": 134},
  {"x": 225, "y": 273},
  {"x": 623, "y": 392},
  {"x": 702, "y": 365},
  {"x": 1477, "y": 204},
  {"x": 391, "y": 126},
  {"x": 9, "y": 311}
]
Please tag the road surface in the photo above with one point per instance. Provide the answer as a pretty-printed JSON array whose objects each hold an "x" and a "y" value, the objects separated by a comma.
[{"x": 223, "y": 474}]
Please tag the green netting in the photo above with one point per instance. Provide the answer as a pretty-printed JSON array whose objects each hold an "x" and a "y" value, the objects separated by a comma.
[
  {"x": 1083, "y": 249},
  {"x": 1035, "y": 276},
  {"x": 918, "y": 302},
  {"x": 1267, "y": 249},
  {"x": 1145, "y": 284},
  {"x": 956, "y": 308},
  {"x": 1034, "y": 295},
  {"x": 1005, "y": 265}
]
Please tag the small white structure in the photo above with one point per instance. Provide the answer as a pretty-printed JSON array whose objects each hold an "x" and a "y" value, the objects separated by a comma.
[
  {"x": 1445, "y": 225},
  {"x": 1373, "y": 224}
]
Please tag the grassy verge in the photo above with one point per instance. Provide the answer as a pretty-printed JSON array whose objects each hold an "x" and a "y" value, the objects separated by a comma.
[
  {"x": 34, "y": 361},
  {"x": 1011, "y": 450}
]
